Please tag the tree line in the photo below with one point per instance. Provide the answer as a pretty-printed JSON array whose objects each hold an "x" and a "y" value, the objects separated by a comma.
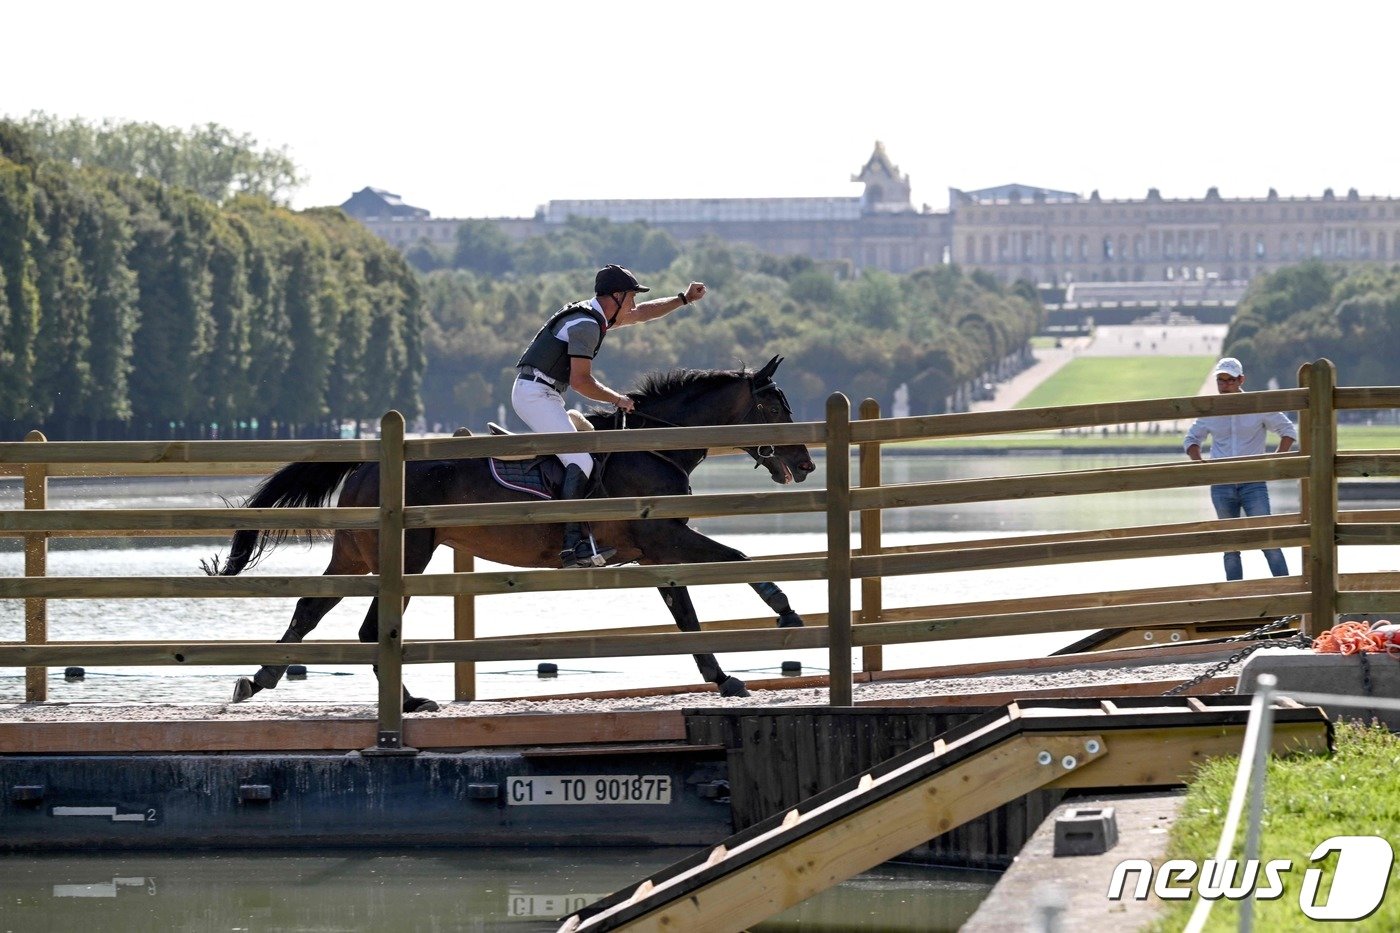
[
  {"x": 1348, "y": 314},
  {"x": 135, "y": 307},
  {"x": 150, "y": 286},
  {"x": 865, "y": 335}
]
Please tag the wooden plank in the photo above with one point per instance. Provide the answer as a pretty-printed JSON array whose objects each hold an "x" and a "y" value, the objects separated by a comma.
[
  {"x": 391, "y": 574},
  {"x": 1002, "y": 697},
  {"x": 1021, "y": 623},
  {"x": 463, "y": 629},
  {"x": 1076, "y": 416},
  {"x": 36, "y": 564},
  {"x": 103, "y": 654},
  {"x": 704, "y": 437},
  {"x": 1157, "y": 757},
  {"x": 1368, "y": 463},
  {"x": 838, "y": 547},
  {"x": 622, "y": 508},
  {"x": 207, "y": 520},
  {"x": 650, "y": 576},
  {"x": 1321, "y": 570},
  {"x": 1081, "y": 482},
  {"x": 200, "y": 587},
  {"x": 1033, "y": 555},
  {"x": 871, "y": 588},
  {"x": 1368, "y": 397},
  {"x": 860, "y": 841},
  {"x": 181, "y": 452}
]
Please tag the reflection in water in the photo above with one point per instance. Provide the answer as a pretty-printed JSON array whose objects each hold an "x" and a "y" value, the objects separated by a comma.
[{"x": 468, "y": 890}]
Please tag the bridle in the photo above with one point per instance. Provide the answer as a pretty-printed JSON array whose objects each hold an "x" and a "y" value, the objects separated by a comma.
[{"x": 761, "y": 454}]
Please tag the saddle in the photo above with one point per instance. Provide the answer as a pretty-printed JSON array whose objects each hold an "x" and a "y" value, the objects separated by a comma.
[{"x": 538, "y": 475}]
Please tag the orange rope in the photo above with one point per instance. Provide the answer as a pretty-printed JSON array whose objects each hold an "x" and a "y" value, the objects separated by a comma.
[{"x": 1356, "y": 637}]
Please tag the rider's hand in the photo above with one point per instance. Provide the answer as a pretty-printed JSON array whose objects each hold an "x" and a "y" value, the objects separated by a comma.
[
  {"x": 625, "y": 403},
  {"x": 695, "y": 292}
]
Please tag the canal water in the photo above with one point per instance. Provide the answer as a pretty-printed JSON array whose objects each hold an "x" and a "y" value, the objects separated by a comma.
[{"x": 524, "y": 889}]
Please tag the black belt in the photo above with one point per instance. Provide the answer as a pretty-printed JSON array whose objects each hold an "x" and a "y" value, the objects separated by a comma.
[{"x": 541, "y": 380}]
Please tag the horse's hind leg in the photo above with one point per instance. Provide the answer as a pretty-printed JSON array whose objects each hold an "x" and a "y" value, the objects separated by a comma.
[
  {"x": 309, "y": 612},
  {"x": 683, "y": 611},
  {"x": 418, "y": 550}
]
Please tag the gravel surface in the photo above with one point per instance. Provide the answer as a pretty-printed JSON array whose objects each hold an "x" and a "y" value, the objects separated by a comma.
[{"x": 260, "y": 708}]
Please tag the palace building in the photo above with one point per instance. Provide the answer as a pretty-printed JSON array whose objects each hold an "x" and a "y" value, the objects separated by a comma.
[{"x": 1012, "y": 231}]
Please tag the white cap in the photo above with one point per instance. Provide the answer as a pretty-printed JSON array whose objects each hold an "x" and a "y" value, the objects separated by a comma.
[{"x": 1230, "y": 367}]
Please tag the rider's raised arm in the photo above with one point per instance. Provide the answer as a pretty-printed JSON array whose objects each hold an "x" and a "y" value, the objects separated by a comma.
[{"x": 660, "y": 307}]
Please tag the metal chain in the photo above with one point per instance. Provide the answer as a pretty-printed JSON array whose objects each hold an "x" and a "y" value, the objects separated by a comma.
[{"x": 1255, "y": 635}]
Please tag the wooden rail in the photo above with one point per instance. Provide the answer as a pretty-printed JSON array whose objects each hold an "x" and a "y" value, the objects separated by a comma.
[{"x": 1319, "y": 528}]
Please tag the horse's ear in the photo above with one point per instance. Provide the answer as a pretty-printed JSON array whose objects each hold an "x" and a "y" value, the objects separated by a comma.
[{"x": 766, "y": 373}]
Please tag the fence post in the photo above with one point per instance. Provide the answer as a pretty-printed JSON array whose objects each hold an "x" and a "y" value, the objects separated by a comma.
[
  {"x": 1321, "y": 562},
  {"x": 36, "y": 564},
  {"x": 838, "y": 546},
  {"x": 391, "y": 503},
  {"x": 872, "y": 597},
  {"x": 463, "y": 618}
]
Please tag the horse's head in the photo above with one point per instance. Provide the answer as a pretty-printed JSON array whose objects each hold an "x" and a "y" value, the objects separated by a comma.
[{"x": 791, "y": 462}]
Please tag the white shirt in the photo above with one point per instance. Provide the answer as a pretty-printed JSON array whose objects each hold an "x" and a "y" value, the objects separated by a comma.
[{"x": 1239, "y": 435}]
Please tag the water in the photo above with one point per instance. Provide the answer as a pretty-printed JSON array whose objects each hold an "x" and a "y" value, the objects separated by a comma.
[{"x": 430, "y": 890}]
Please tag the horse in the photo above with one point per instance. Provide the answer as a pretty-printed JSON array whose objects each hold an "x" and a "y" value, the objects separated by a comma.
[{"x": 680, "y": 398}]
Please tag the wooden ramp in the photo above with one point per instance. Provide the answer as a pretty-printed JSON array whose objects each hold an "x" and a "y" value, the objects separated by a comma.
[{"x": 929, "y": 790}]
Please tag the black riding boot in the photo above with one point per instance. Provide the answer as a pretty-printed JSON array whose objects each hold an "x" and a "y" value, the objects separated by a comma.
[{"x": 579, "y": 552}]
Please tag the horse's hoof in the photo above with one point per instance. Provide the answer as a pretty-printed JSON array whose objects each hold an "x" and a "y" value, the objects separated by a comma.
[
  {"x": 243, "y": 689},
  {"x": 733, "y": 687},
  {"x": 420, "y": 705},
  {"x": 790, "y": 619}
]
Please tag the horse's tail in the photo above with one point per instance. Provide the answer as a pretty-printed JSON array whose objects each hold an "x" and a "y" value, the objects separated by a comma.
[{"x": 297, "y": 485}]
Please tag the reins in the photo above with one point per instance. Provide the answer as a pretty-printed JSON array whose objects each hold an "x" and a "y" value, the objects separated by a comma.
[{"x": 761, "y": 454}]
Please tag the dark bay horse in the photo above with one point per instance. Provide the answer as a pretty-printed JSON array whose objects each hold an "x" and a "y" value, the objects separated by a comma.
[{"x": 683, "y": 398}]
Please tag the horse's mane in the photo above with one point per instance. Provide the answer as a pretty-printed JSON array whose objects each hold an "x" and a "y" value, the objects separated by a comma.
[{"x": 658, "y": 385}]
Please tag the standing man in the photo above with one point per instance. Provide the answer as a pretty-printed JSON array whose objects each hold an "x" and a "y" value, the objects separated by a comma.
[
  {"x": 1240, "y": 436},
  {"x": 561, "y": 357}
]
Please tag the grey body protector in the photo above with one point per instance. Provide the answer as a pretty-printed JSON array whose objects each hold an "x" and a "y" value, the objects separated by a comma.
[{"x": 548, "y": 355}]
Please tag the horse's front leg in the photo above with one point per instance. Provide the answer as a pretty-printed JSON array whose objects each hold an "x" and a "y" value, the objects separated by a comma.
[
  {"x": 678, "y": 543},
  {"x": 777, "y": 601},
  {"x": 683, "y": 611}
]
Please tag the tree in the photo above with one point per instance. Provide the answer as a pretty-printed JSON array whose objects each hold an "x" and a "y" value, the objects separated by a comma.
[
  {"x": 483, "y": 247},
  {"x": 210, "y": 160},
  {"x": 19, "y": 306}
]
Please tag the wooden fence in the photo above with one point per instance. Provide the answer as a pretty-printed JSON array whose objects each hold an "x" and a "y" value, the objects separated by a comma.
[{"x": 1318, "y": 592}]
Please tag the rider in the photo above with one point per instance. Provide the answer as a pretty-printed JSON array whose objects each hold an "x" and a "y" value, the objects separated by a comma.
[{"x": 561, "y": 357}]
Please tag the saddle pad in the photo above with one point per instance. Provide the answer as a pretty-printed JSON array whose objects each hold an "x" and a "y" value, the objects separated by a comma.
[{"x": 540, "y": 477}]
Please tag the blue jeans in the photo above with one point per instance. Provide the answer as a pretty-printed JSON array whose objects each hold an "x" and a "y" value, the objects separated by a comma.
[{"x": 1230, "y": 499}]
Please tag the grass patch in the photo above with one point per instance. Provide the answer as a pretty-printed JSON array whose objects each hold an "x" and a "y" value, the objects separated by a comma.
[
  {"x": 1090, "y": 379},
  {"x": 1308, "y": 799}
]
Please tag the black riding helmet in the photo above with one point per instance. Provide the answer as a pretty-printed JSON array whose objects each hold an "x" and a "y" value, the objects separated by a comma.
[{"x": 613, "y": 278}]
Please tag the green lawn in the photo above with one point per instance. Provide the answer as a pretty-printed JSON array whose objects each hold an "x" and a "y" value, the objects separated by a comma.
[
  {"x": 1309, "y": 799},
  {"x": 1090, "y": 379}
]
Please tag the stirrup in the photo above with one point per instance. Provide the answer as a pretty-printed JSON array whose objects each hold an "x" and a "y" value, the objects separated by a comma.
[{"x": 583, "y": 556}]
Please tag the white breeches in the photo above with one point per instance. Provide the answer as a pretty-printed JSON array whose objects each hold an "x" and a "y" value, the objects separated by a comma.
[{"x": 542, "y": 409}]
